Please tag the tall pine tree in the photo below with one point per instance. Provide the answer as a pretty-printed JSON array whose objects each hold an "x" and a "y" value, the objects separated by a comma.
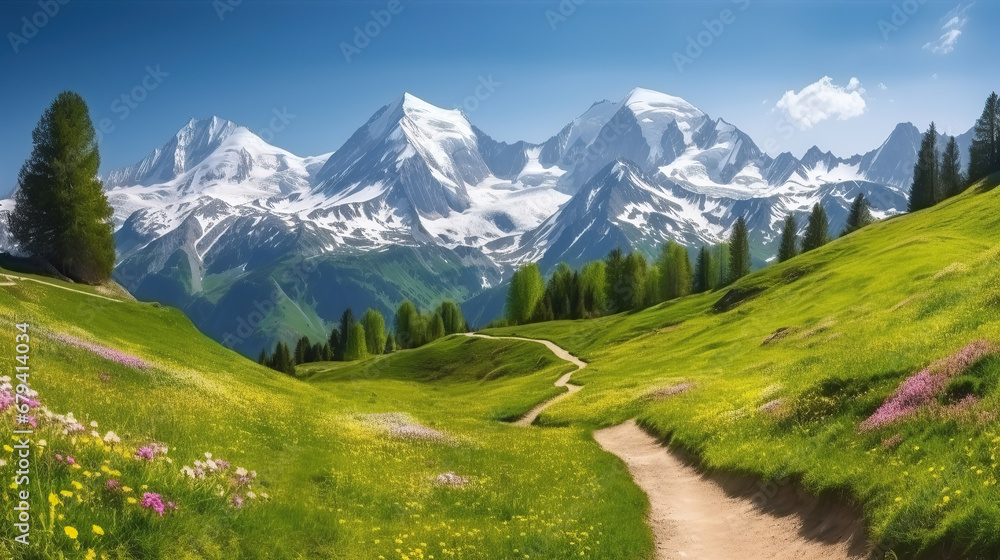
[
  {"x": 984, "y": 153},
  {"x": 924, "y": 190},
  {"x": 950, "y": 176},
  {"x": 739, "y": 251},
  {"x": 703, "y": 280},
  {"x": 789, "y": 240},
  {"x": 61, "y": 213},
  {"x": 817, "y": 230},
  {"x": 346, "y": 324},
  {"x": 859, "y": 216}
]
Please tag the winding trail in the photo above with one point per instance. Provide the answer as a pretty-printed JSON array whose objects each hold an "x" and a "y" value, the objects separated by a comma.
[
  {"x": 530, "y": 417},
  {"x": 694, "y": 516},
  {"x": 11, "y": 279}
]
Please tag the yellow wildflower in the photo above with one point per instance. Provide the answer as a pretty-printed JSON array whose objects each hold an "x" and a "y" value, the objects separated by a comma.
[
  {"x": 98, "y": 530},
  {"x": 70, "y": 532}
]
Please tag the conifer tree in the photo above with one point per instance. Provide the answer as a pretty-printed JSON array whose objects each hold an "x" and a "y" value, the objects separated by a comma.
[
  {"x": 703, "y": 280},
  {"x": 817, "y": 230},
  {"x": 301, "y": 348},
  {"x": 789, "y": 240},
  {"x": 924, "y": 190},
  {"x": 262, "y": 359},
  {"x": 346, "y": 324},
  {"x": 951, "y": 178},
  {"x": 61, "y": 213},
  {"x": 859, "y": 216},
  {"x": 739, "y": 251},
  {"x": 390, "y": 343},
  {"x": 615, "y": 282},
  {"x": 984, "y": 153},
  {"x": 334, "y": 343}
]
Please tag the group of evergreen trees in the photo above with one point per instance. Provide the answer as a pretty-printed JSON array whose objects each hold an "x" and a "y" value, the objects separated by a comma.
[
  {"x": 61, "y": 213},
  {"x": 817, "y": 231},
  {"x": 354, "y": 339},
  {"x": 414, "y": 328},
  {"x": 625, "y": 281},
  {"x": 935, "y": 176},
  {"x": 938, "y": 175}
]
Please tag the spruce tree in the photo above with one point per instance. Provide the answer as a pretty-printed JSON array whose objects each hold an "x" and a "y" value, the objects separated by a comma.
[
  {"x": 334, "y": 343},
  {"x": 615, "y": 283},
  {"x": 859, "y": 216},
  {"x": 262, "y": 359},
  {"x": 924, "y": 190},
  {"x": 61, "y": 213},
  {"x": 301, "y": 348},
  {"x": 703, "y": 280},
  {"x": 789, "y": 240},
  {"x": 390, "y": 343},
  {"x": 817, "y": 230},
  {"x": 346, "y": 324},
  {"x": 951, "y": 178},
  {"x": 739, "y": 251},
  {"x": 984, "y": 153}
]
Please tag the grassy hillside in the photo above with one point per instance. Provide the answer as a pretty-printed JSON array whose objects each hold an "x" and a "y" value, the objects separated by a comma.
[
  {"x": 352, "y": 464},
  {"x": 775, "y": 376}
]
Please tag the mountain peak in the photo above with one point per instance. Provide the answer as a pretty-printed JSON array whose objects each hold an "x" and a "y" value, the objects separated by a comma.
[{"x": 646, "y": 99}]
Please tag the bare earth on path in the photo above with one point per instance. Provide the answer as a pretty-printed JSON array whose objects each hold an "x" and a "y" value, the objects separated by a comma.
[
  {"x": 694, "y": 517},
  {"x": 530, "y": 417}
]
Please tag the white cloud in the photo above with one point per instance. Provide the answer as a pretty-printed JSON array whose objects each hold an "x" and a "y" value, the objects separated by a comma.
[
  {"x": 952, "y": 28},
  {"x": 882, "y": 86},
  {"x": 823, "y": 100}
]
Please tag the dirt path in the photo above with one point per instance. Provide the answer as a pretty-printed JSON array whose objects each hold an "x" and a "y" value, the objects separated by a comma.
[
  {"x": 530, "y": 417},
  {"x": 694, "y": 517},
  {"x": 10, "y": 281}
]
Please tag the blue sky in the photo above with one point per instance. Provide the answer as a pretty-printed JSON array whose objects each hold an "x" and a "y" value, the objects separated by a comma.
[{"x": 248, "y": 61}]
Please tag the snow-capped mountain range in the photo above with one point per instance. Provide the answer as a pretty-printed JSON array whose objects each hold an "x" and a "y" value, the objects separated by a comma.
[{"x": 418, "y": 203}]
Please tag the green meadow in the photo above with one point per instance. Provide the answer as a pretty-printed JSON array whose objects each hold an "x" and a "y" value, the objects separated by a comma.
[
  {"x": 336, "y": 484},
  {"x": 408, "y": 455},
  {"x": 777, "y": 384}
]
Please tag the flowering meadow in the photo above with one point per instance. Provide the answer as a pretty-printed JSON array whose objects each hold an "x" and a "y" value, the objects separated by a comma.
[
  {"x": 866, "y": 371},
  {"x": 152, "y": 441}
]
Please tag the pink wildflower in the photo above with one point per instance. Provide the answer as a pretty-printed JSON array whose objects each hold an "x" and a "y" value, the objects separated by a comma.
[
  {"x": 153, "y": 501},
  {"x": 144, "y": 453}
]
